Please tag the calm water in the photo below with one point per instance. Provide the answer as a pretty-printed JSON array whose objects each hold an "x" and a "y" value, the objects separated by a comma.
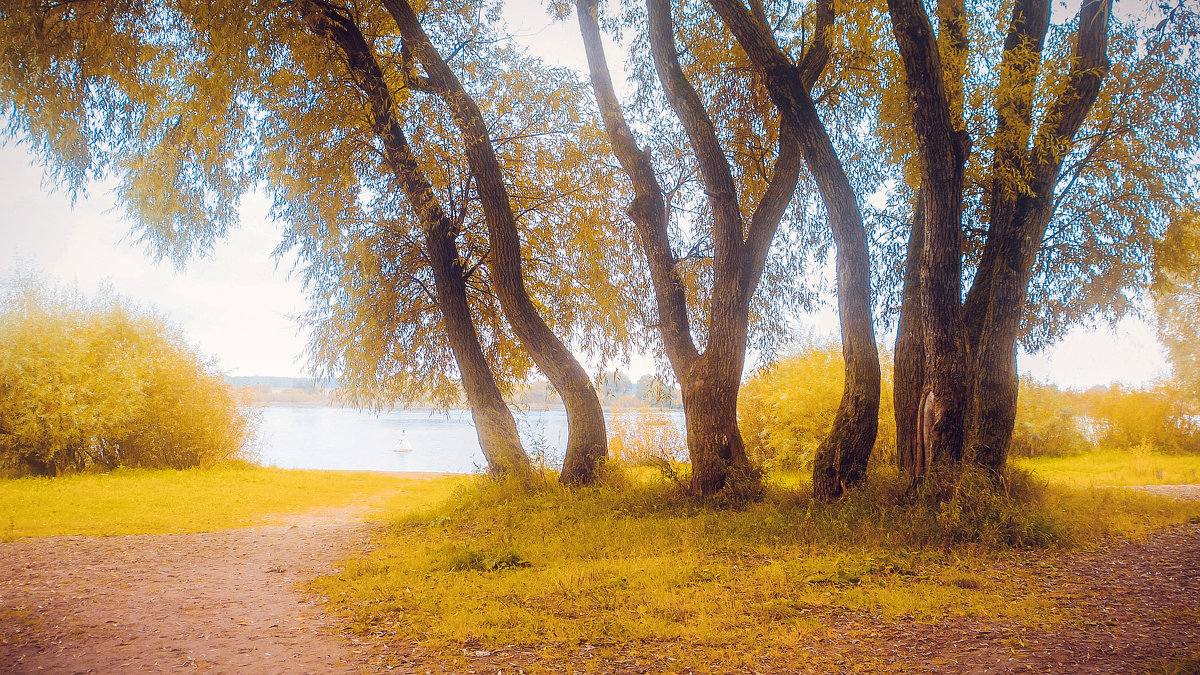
[{"x": 348, "y": 439}]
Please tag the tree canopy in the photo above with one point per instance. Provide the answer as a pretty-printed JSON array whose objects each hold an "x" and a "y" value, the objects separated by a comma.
[
  {"x": 1176, "y": 296},
  {"x": 319, "y": 105}
]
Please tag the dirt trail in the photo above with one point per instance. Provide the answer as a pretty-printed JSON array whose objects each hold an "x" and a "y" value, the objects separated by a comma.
[{"x": 225, "y": 601}]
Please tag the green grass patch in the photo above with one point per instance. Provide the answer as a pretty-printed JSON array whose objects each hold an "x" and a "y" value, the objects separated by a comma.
[
  {"x": 140, "y": 501},
  {"x": 638, "y": 571},
  {"x": 1115, "y": 468}
]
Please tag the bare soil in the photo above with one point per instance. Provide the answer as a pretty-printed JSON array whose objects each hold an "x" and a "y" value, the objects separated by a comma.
[{"x": 228, "y": 602}]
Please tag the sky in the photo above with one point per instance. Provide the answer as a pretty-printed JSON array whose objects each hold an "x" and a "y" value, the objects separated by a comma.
[{"x": 237, "y": 304}]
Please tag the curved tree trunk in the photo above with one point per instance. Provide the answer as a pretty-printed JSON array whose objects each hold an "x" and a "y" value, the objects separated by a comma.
[
  {"x": 587, "y": 444},
  {"x": 1019, "y": 217},
  {"x": 494, "y": 423},
  {"x": 841, "y": 460}
]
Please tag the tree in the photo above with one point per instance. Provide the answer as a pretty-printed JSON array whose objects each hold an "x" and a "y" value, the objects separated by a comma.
[
  {"x": 736, "y": 206},
  {"x": 841, "y": 461},
  {"x": 586, "y": 438},
  {"x": 1157, "y": 417},
  {"x": 1050, "y": 422},
  {"x": 100, "y": 383},
  {"x": 194, "y": 105},
  {"x": 1045, "y": 160}
]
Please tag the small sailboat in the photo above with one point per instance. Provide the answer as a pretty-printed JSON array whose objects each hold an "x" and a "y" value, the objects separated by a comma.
[{"x": 405, "y": 445}]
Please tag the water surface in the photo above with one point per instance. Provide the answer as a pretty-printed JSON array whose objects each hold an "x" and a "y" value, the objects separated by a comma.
[{"x": 355, "y": 440}]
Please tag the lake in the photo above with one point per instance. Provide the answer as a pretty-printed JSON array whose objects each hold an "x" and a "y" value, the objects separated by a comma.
[{"x": 359, "y": 440}]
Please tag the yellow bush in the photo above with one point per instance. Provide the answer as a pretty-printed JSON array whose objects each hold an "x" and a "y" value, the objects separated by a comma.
[
  {"x": 99, "y": 383},
  {"x": 1048, "y": 422},
  {"x": 786, "y": 409},
  {"x": 1157, "y": 416},
  {"x": 644, "y": 435}
]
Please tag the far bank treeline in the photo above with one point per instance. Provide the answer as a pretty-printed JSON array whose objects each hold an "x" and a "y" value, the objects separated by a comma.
[{"x": 983, "y": 176}]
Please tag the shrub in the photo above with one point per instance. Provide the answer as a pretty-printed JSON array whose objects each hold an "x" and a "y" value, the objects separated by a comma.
[
  {"x": 646, "y": 436},
  {"x": 1048, "y": 422},
  {"x": 786, "y": 409},
  {"x": 1157, "y": 417},
  {"x": 98, "y": 383}
]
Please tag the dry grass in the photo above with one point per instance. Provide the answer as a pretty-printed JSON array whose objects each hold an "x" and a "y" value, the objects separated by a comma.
[{"x": 638, "y": 568}]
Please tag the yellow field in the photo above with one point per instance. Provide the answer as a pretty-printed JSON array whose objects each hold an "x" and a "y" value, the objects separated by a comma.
[
  {"x": 196, "y": 500},
  {"x": 1115, "y": 468}
]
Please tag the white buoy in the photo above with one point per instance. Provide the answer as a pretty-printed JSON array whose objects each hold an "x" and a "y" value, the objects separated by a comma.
[{"x": 405, "y": 445}]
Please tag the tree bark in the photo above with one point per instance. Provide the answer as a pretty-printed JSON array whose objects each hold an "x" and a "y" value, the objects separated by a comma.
[
  {"x": 494, "y": 423},
  {"x": 715, "y": 446},
  {"x": 943, "y": 148},
  {"x": 841, "y": 460},
  {"x": 587, "y": 444},
  {"x": 1019, "y": 217},
  {"x": 908, "y": 385}
]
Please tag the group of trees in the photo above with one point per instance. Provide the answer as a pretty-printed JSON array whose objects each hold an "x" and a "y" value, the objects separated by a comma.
[
  {"x": 465, "y": 213},
  {"x": 98, "y": 383}
]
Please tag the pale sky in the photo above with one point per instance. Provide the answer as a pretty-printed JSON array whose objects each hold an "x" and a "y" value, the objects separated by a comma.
[{"x": 237, "y": 303}]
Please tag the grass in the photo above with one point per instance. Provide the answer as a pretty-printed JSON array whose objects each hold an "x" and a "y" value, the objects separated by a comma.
[
  {"x": 637, "y": 571},
  {"x": 1115, "y": 468},
  {"x": 196, "y": 500}
]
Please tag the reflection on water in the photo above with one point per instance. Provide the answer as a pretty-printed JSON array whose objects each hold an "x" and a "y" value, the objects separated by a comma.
[{"x": 349, "y": 439}]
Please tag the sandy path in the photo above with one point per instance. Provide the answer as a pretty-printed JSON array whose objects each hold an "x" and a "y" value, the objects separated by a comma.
[{"x": 225, "y": 601}]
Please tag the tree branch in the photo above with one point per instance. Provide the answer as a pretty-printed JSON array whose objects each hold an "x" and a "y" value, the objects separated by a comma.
[
  {"x": 714, "y": 166},
  {"x": 648, "y": 210}
]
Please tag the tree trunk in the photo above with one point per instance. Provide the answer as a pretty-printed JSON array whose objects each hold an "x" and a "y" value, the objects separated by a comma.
[
  {"x": 710, "y": 381},
  {"x": 943, "y": 153},
  {"x": 587, "y": 443},
  {"x": 908, "y": 384},
  {"x": 494, "y": 424},
  {"x": 1019, "y": 217},
  {"x": 715, "y": 447}
]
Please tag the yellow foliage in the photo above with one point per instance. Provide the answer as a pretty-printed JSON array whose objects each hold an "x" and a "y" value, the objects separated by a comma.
[
  {"x": 640, "y": 436},
  {"x": 1048, "y": 422},
  {"x": 99, "y": 383},
  {"x": 787, "y": 408},
  {"x": 1156, "y": 418}
]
